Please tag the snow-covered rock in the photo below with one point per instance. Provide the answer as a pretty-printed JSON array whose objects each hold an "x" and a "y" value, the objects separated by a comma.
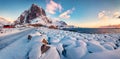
[
  {"x": 66, "y": 40},
  {"x": 115, "y": 54},
  {"x": 94, "y": 46},
  {"x": 78, "y": 51},
  {"x": 108, "y": 46},
  {"x": 51, "y": 54},
  {"x": 35, "y": 52}
]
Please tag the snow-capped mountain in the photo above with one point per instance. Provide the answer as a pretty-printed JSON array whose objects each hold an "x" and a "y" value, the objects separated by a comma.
[
  {"x": 36, "y": 15},
  {"x": 30, "y": 15},
  {"x": 3, "y": 21}
]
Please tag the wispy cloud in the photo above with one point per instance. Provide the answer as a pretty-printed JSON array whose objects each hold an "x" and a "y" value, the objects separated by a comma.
[
  {"x": 116, "y": 14},
  {"x": 52, "y": 7},
  {"x": 104, "y": 15},
  {"x": 66, "y": 14}
]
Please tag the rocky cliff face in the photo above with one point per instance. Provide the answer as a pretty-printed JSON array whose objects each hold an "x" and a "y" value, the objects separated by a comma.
[{"x": 29, "y": 15}]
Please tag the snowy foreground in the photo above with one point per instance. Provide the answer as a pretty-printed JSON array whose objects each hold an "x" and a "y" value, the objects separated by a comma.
[{"x": 63, "y": 45}]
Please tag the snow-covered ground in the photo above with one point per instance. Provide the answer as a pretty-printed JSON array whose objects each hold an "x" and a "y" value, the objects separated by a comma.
[
  {"x": 9, "y": 31},
  {"x": 63, "y": 45},
  {"x": 12, "y": 35}
]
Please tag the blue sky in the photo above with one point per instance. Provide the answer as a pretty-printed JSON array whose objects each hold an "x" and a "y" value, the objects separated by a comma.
[{"x": 82, "y": 13}]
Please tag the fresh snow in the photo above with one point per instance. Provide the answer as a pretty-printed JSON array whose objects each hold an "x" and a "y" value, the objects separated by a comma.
[
  {"x": 38, "y": 21},
  {"x": 115, "y": 54},
  {"x": 63, "y": 44}
]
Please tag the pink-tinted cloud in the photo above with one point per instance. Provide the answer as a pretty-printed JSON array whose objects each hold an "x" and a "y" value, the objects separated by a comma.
[
  {"x": 66, "y": 14},
  {"x": 52, "y": 7}
]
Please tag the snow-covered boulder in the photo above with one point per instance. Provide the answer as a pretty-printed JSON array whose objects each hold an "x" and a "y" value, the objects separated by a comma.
[
  {"x": 108, "y": 46},
  {"x": 52, "y": 53},
  {"x": 59, "y": 47},
  {"x": 35, "y": 52},
  {"x": 78, "y": 51},
  {"x": 115, "y": 54},
  {"x": 67, "y": 40},
  {"x": 53, "y": 40},
  {"x": 39, "y": 37},
  {"x": 94, "y": 46}
]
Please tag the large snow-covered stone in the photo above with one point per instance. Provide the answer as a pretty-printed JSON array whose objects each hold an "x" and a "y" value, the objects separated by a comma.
[
  {"x": 94, "y": 46},
  {"x": 78, "y": 51}
]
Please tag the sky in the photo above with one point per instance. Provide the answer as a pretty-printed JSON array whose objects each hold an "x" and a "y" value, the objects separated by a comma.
[{"x": 81, "y": 13}]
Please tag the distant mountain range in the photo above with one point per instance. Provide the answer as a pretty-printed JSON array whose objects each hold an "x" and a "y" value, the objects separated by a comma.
[
  {"x": 111, "y": 26},
  {"x": 4, "y": 21},
  {"x": 37, "y": 15}
]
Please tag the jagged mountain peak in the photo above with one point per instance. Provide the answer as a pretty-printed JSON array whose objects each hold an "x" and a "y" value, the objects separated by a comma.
[
  {"x": 36, "y": 9},
  {"x": 34, "y": 12}
]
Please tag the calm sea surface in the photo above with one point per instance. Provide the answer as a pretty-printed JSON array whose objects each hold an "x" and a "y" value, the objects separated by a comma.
[{"x": 94, "y": 30}]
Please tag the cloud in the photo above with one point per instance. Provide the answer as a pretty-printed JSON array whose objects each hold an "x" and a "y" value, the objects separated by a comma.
[
  {"x": 66, "y": 14},
  {"x": 101, "y": 14},
  {"x": 104, "y": 15},
  {"x": 119, "y": 17},
  {"x": 116, "y": 14},
  {"x": 52, "y": 7}
]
